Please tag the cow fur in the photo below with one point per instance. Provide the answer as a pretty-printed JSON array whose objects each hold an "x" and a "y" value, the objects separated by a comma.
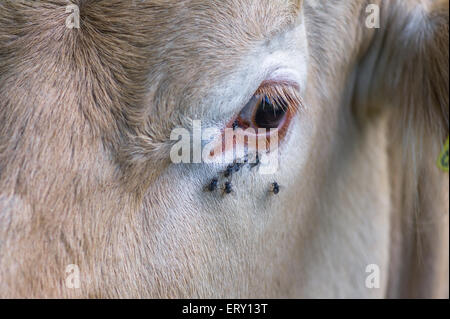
[{"x": 86, "y": 179}]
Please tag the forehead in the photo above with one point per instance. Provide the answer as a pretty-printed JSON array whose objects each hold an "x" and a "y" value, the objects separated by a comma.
[
  {"x": 186, "y": 38},
  {"x": 225, "y": 22}
]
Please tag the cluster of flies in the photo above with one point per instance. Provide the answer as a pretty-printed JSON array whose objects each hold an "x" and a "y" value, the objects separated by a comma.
[{"x": 234, "y": 168}]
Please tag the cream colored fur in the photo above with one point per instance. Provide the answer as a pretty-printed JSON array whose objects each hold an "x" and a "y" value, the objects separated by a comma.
[{"x": 86, "y": 179}]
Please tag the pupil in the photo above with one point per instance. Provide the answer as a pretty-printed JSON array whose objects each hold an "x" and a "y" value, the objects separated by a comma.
[{"x": 269, "y": 116}]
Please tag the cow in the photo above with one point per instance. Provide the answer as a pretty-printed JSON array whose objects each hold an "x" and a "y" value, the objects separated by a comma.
[{"x": 92, "y": 204}]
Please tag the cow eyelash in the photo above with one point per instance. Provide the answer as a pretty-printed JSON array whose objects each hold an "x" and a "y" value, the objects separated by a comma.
[{"x": 281, "y": 95}]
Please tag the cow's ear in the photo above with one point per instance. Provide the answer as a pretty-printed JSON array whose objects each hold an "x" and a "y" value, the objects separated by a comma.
[
  {"x": 408, "y": 64},
  {"x": 418, "y": 68},
  {"x": 405, "y": 73}
]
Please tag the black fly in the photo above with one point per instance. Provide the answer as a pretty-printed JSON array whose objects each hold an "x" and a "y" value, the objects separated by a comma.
[
  {"x": 275, "y": 188},
  {"x": 213, "y": 185},
  {"x": 235, "y": 125},
  {"x": 228, "y": 187},
  {"x": 229, "y": 171}
]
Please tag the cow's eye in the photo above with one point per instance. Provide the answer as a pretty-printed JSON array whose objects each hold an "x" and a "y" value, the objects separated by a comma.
[
  {"x": 269, "y": 114},
  {"x": 271, "y": 107}
]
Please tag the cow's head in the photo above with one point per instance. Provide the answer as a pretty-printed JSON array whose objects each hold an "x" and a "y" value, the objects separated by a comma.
[{"x": 87, "y": 169}]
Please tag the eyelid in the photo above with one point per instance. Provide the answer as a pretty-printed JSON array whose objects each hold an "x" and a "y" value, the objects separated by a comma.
[{"x": 287, "y": 90}]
